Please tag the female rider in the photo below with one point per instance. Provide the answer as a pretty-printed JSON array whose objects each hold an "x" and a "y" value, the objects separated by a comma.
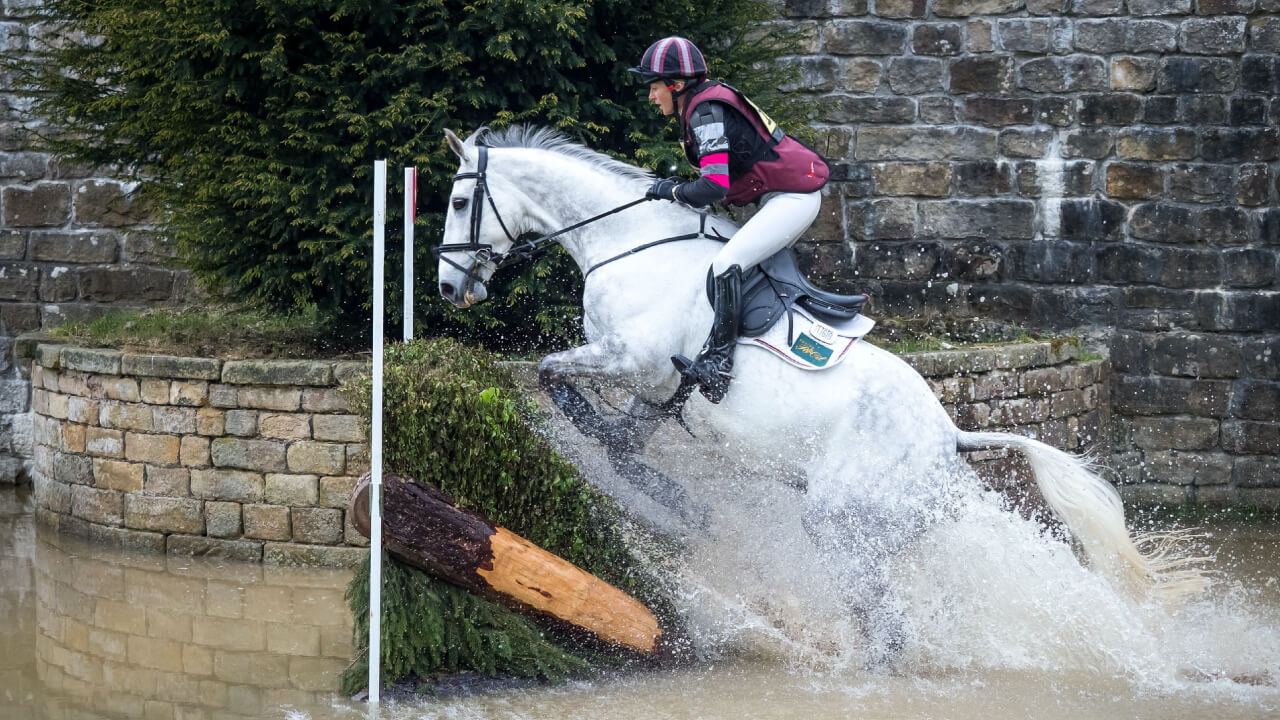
[{"x": 743, "y": 157}]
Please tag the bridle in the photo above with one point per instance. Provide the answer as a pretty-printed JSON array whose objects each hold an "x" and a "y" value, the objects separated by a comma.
[{"x": 482, "y": 253}]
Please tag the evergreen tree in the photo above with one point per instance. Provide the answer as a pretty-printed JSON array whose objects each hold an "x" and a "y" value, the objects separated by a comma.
[{"x": 255, "y": 124}]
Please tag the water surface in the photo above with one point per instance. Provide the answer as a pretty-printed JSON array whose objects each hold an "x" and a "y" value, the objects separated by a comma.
[{"x": 90, "y": 633}]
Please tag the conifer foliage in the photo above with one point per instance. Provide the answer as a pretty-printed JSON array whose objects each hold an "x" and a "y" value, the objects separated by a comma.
[{"x": 255, "y": 123}]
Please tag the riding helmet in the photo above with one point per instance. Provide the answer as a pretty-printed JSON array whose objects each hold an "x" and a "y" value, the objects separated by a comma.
[{"x": 671, "y": 58}]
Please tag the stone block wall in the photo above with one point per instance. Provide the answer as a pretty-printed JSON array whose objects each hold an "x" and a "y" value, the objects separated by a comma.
[
  {"x": 1050, "y": 391},
  {"x": 256, "y": 459},
  {"x": 74, "y": 244},
  {"x": 1043, "y": 390},
  {"x": 1072, "y": 163},
  {"x": 252, "y": 460}
]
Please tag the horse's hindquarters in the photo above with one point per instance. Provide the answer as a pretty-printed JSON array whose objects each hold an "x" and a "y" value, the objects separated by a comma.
[{"x": 870, "y": 424}]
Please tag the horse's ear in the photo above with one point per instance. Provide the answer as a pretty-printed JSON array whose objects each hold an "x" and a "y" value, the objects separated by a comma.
[{"x": 458, "y": 147}]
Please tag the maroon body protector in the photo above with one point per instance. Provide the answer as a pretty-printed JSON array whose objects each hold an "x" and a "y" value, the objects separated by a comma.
[{"x": 796, "y": 168}]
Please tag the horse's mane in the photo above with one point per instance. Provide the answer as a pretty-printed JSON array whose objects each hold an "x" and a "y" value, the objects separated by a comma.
[{"x": 542, "y": 138}]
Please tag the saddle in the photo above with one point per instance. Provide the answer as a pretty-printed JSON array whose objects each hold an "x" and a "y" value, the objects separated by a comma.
[{"x": 773, "y": 288}]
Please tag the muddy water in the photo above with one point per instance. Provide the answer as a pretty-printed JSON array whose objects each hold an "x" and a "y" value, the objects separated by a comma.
[
  {"x": 94, "y": 633},
  {"x": 88, "y": 633}
]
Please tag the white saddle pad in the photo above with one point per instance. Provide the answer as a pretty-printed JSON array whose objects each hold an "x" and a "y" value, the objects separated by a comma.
[{"x": 811, "y": 344}]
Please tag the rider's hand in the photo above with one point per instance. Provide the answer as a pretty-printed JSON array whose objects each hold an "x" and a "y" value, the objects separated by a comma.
[{"x": 663, "y": 189}]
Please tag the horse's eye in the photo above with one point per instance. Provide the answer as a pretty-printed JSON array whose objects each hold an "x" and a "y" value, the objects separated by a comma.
[{"x": 459, "y": 203}]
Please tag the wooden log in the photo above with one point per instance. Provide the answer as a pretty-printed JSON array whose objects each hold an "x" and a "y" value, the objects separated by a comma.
[{"x": 423, "y": 527}]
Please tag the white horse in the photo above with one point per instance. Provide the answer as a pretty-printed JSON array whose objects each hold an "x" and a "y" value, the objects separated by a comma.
[{"x": 875, "y": 446}]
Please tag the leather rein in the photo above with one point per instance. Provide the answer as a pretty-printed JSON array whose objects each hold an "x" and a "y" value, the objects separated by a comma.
[{"x": 483, "y": 254}]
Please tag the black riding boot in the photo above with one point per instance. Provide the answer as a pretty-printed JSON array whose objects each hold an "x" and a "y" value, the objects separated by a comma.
[{"x": 711, "y": 369}]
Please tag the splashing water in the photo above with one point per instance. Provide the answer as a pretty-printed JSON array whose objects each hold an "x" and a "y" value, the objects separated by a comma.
[{"x": 983, "y": 592}]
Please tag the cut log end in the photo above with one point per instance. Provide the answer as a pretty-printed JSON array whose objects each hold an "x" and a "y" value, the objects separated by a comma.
[{"x": 426, "y": 529}]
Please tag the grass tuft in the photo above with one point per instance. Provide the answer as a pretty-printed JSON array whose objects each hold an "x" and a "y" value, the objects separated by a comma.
[{"x": 226, "y": 332}]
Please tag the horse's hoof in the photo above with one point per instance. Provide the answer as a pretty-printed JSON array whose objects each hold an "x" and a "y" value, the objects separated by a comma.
[
  {"x": 714, "y": 394},
  {"x": 548, "y": 375},
  {"x": 886, "y": 636}
]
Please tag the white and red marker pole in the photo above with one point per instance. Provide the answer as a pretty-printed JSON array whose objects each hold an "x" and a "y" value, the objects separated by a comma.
[
  {"x": 410, "y": 214},
  {"x": 375, "y": 441}
]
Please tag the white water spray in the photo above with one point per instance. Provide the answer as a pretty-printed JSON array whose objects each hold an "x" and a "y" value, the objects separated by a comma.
[{"x": 983, "y": 591}]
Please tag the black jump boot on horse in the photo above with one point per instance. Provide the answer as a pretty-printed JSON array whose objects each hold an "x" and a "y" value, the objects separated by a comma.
[{"x": 712, "y": 369}]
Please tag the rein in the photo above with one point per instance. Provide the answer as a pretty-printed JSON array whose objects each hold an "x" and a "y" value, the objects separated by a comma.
[
  {"x": 482, "y": 253},
  {"x": 702, "y": 233}
]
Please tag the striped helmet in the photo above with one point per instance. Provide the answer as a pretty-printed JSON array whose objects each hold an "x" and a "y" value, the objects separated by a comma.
[{"x": 671, "y": 58}]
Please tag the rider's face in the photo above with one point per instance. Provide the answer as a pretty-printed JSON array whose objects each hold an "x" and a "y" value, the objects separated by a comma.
[{"x": 659, "y": 95}]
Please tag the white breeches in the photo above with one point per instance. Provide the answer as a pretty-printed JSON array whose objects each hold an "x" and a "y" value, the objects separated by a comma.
[{"x": 779, "y": 221}]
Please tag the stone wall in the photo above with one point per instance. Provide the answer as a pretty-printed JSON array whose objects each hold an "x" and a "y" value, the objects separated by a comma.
[
  {"x": 1073, "y": 163},
  {"x": 1045, "y": 390},
  {"x": 256, "y": 459},
  {"x": 252, "y": 460},
  {"x": 1061, "y": 163},
  {"x": 1050, "y": 391},
  {"x": 73, "y": 244}
]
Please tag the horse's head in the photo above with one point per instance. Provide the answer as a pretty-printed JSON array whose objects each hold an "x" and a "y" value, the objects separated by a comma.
[{"x": 475, "y": 236}]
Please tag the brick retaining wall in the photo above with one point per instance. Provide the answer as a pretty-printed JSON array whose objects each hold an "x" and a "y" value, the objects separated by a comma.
[
  {"x": 247, "y": 459},
  {"x": 1044, "y": 390},
  {"x": 1041, "y": 389}
]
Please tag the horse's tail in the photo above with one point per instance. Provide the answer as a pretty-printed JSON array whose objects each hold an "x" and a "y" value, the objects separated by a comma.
[{"x": 1091, "y": 509}]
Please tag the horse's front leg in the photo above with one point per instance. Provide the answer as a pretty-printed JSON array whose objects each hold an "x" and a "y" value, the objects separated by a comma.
[
  {"x": 860, "y": 540},
  {"x": 607, "y": 360},
  {"x": 623, "y": 439}
]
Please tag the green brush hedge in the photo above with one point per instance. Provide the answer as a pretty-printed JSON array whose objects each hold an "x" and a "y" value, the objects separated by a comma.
[{"x": 457, "y": 420}]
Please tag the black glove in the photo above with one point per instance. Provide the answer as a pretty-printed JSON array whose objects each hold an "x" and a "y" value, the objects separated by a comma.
[{"x": 663, "y": 189}]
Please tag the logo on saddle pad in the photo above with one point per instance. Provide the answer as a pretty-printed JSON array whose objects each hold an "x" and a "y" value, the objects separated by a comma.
[
  {"x": 816, "y": 345},
  {"x": 812, "y": 350}
]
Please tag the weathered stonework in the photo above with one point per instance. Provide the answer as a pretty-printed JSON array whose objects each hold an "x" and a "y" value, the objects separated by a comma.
[
  {"x": 276, "y": 490},
  {"x": 142, "y": 460},
  {"x": 1043, "y": 390},
  {"x": 1098, "y": 164},
  {"x": 74, "y": 244}
]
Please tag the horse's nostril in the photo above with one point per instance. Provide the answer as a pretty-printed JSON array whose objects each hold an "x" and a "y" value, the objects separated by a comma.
[{"x": 447, "y": 290}]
